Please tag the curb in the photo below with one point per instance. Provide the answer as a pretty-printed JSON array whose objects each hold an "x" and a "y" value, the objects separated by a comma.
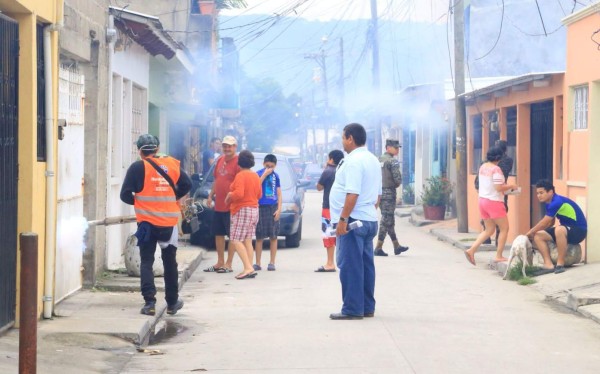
[{"x": 143, "y": 336}]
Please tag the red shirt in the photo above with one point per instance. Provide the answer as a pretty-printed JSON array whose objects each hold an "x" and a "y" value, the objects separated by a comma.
[{"x": 224, "y": 172}]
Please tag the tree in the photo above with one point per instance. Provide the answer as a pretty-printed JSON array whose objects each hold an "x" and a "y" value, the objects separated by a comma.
[{"x": 266, "y": 113}]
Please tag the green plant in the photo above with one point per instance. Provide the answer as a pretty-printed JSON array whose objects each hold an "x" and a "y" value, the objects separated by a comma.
[
  {"x": 436, "y": 192},
  {"x": 516, "y": 274},
  {"x": 408, "y": 194},
  {"x": 231, "y": 4}
]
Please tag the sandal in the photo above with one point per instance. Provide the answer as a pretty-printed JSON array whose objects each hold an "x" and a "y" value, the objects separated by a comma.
[
  {"x": 212, "y": 269},
  {"x": 246, "y": 276},
  {"x": 224, "y": 270},
  {"x": 470, "y": 257}
]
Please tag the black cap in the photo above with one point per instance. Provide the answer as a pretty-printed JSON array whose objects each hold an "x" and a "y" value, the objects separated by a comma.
[
  {"x": 392, "y": 143},
  {"x": 147, "y": 142}
]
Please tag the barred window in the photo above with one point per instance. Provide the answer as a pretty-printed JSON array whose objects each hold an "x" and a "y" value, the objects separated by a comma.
[
  {"x": 580, "y": 107},
  {"x": 477, "y": 146}
]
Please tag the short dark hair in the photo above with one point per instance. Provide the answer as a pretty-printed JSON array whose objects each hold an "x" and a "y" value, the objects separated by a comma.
[
  {"x": 357, "y": 132},
  {"x": 545, "y": 184},
  {"x": 246, "y": 159},
  {"x": 270, "y": 158},
  {"x": 502, "y": 144},
  {"x": 214, "y": 139},
  {"x": 494, "y": 154},
  {"x": 336, "y": 155}
]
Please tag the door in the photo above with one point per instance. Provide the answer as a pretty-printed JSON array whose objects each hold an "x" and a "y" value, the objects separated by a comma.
[
  {"x": 542, "y": 131},
  {"x": 71, "y": 225},
  {"x": 9, "y": 59}
]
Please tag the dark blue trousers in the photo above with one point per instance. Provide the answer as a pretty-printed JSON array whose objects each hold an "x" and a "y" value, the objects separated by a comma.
[{"x": 357, "y": 269}]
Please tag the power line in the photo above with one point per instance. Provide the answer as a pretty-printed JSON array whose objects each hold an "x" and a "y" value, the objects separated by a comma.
[{"x": 499, "y": 34}]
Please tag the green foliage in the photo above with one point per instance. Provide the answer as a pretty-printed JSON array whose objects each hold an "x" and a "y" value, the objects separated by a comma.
[
  {"x": 436, "y": 192},
  {"x": 515, "y": 274},
  {"x": 266, "y": 113},
  {"x": 231, "y": 4},
  {"x": 408, "y": 194}
]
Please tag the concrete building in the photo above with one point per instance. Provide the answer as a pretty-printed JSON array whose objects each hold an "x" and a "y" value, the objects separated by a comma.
[{"x": 28, "y": 139}]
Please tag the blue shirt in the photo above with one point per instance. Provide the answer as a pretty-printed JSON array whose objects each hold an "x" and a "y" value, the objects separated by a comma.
[
  {"x": 567, "y": 212},
  {"x": 359, "y": 173},
  {"x": 269, "y": 188}
]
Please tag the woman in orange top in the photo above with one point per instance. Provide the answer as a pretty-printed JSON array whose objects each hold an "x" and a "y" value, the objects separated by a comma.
[{"x": 245, "y": 192}]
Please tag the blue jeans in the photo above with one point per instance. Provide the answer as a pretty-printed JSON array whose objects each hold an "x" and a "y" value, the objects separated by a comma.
[{"x": 357, "y": 269}]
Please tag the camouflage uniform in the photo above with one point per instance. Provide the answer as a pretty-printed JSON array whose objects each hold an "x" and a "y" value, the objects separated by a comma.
[{"x": 391, "y": 180}]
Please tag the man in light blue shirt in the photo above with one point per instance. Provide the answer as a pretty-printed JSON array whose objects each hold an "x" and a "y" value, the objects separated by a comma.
[{"x": 354, "y": 196}]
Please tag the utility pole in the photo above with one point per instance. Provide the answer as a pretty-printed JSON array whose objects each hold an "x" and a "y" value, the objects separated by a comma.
[
  {"x": 461, "y": 120},
  {"x": 375, "y": 72},
  {"x": 321, "y": 59},
  {"x": 341, "y": 82}
]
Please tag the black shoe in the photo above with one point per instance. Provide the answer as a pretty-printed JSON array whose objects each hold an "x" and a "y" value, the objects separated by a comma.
[
  {"x": 400, "y": 249},
  {"x": 542, "y": 271},
  {"x": 343, "y": 316},
  {"x": 369, "y": 315},
  {"x": 149, "y": 308},
  {"x": 172, "y": 309},
  {"x": 559, "y": 269},
  {"x": 379, "y": 252},
  {"x": 487, "y": 241}
]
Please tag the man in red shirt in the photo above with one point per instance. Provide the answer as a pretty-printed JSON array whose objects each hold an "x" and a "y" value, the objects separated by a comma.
[{"x": 225, "y": 171}]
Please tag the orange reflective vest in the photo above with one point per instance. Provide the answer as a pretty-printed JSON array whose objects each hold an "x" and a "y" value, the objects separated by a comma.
[{"x": 156, "y": 203}]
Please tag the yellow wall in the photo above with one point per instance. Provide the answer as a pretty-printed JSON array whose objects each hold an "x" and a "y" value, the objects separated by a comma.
[
  {"x": 580, "y": 146},
  {"x": 32, "y": 179},
  {"x": 518, "y": 205}
]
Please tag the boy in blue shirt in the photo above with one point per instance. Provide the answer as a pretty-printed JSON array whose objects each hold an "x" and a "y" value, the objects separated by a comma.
[
  {"x": 572, "y": 227},
  {"x": 269, "y": 209}
]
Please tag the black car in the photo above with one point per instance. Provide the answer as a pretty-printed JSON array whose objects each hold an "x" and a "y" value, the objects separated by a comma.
[{"x": 292, "y": 191}]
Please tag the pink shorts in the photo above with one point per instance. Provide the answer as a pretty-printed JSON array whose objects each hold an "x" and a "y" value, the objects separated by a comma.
[{"x": 490, "y": 209}]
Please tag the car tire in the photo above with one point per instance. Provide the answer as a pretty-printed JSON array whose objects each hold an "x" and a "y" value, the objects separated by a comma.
[{"x": 293, "y": 241}]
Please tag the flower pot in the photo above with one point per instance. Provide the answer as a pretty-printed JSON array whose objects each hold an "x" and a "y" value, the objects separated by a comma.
[
  {"x": 435, "y": 213},
  {"x": 207, "y": 7}
]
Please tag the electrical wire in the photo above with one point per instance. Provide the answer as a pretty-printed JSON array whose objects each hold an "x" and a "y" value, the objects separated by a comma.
[{"x": 499, "y": 34}]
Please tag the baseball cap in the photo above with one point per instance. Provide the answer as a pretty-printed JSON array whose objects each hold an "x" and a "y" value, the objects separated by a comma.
[
  {"x": 147, "y": 142},
  {"x": 392, "y": 143},
  {"x": 229, "y": 140}
]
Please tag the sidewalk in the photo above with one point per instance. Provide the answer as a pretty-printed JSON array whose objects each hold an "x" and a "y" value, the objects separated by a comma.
[{"x": 577, "y": 289}]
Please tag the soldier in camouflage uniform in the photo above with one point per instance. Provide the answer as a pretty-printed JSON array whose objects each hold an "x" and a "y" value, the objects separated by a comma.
[{"x": 391, "y": 180}]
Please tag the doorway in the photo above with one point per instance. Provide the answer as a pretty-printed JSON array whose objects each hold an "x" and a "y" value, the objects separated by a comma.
[{"x": 542, "y": 136}]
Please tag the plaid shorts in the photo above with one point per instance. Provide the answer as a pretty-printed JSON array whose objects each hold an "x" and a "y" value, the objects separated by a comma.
[
  {"x": 267, "y": 227},
  {"x": 243, "y": 224}
]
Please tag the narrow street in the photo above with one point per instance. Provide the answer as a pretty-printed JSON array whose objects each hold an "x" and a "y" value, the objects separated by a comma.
[{"x": 435, "y": 314}]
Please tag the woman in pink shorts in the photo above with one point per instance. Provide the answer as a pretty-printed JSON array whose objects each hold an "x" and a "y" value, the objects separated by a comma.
[
  {"x": 491, "y": 204},
  {"x": 245, "y": 191}
]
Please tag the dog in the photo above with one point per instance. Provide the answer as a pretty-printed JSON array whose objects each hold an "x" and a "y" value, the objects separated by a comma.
[{"x": 522, "y": 249}]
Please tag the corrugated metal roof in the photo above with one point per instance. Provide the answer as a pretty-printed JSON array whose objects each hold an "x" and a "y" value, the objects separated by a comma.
[{"x": 145, "y": 30}]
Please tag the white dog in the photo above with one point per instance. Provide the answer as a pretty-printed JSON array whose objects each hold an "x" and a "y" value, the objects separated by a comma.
[{"x": 521, "y": 248}]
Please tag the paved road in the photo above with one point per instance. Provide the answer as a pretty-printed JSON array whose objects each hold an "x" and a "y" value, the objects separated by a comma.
[{"x": 435, "y": 314}]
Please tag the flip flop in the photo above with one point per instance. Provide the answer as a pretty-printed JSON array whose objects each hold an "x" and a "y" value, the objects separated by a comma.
[
  {"x": 246, "y": 276},
  {"x": 323, "y": 270},
  {"x": 224, "y": 270},
  {"x": 470, "y": 258},
  {"x": 212, "y": 269}
]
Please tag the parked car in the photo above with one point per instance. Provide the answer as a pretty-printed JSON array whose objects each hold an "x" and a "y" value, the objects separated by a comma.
[
  {"x": 312, "y": 173},
  {"x": 292, "y": 191}
]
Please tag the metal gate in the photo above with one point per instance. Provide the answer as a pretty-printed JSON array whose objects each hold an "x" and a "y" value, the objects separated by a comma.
[
  {"x": 9, "y": 59},
  {"x": 542, "y": 135}
]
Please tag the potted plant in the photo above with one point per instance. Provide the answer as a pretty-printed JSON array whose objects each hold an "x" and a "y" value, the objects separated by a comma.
[{"x": 435, "y": 197}]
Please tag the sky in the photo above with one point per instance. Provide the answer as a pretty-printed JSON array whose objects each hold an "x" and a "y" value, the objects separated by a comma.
[{"x": 325, "y": 10}]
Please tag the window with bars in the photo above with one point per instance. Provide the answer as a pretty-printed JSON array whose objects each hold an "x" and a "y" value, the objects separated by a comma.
[
  {"x": 477, "y": 143},
  {"x": 41, "y": 95},
  {"x": 511, "y": 136},
  {"x": 138, "y": 103},
  {"x": 580, "y": 107}
]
